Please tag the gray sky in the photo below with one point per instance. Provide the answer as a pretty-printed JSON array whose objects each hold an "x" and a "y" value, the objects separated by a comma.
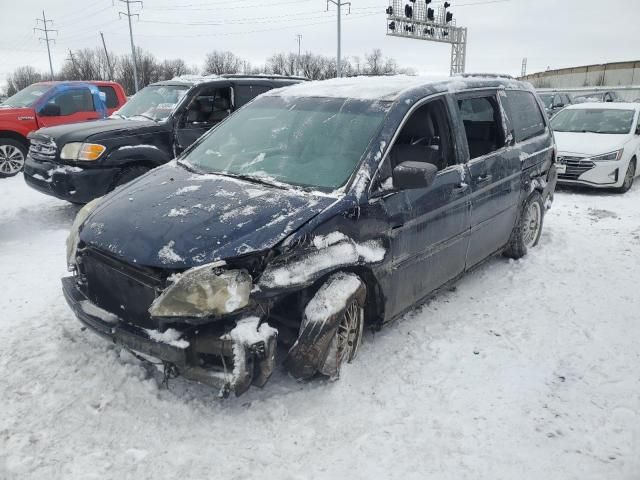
[{"x": 550, "y": 33}]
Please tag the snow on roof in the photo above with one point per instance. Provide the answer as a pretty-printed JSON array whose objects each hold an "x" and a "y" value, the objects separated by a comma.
[
  {"x": 605, "y": 105},
  {"x": 376, "y": 87}
]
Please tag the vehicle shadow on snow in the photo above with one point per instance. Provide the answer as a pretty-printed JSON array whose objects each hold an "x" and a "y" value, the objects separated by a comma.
[{"x": 26, "y": 221}]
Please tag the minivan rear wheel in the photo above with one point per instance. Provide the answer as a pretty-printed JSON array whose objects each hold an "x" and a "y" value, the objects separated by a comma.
[{"x": 529, "y": 228}]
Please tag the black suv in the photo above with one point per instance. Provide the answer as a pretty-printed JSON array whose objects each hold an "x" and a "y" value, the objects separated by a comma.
[
  {"x": 311, "y": 212},
  {"x": 80, "y": 162}
]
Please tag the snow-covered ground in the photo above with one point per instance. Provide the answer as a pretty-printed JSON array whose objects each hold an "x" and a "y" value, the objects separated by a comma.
[{"x": 526, "y": 370}]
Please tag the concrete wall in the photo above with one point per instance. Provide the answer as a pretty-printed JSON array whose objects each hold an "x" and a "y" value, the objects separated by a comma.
[{"x": 610, "y": 74}]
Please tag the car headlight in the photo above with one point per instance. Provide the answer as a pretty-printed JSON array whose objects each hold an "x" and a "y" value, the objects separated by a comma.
[
  {"x": 82, "y": 151},
  {"x": 203, "y": 291},
  {"x": 617, "y": 155},
  {"x": 74, "y": 233}
]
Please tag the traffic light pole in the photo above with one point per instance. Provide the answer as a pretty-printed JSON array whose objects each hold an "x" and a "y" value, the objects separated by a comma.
[{"x": 339, "y": 4}]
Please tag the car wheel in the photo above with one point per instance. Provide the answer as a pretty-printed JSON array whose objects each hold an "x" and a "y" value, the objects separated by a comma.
[
  {"x": 129, "y": 174},
  {"x": 328, "y": 341},
  {"x": 12, "y": 157},
  {"x": 629, "y": 177},
  {"x": 529, "y": 228}
]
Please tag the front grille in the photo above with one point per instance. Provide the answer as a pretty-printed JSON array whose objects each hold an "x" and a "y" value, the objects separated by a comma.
[
  {"x": 576, "y": 166},
  {"x": 119, "y": 288},
  {"x": 42, "y": 149}
]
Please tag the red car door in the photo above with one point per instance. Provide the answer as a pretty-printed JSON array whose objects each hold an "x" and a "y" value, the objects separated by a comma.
[{"x": 69, "y": 106}]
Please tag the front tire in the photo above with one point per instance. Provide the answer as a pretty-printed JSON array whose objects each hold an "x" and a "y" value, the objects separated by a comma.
[
  {"x": 331, "y": 328},
  {"x": 529, "y": 228},
  {"x": 12, "y": 157},
  {"x": 629, "y": 177}
]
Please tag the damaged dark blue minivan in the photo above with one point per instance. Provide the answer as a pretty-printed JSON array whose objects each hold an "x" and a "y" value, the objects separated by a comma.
[{"x": 312, "y": 212}]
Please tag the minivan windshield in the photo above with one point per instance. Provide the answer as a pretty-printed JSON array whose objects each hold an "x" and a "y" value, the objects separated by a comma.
[
  {"x": 302, "y": 141},
  {"x": 594, "y": 120},
  {"x": 27, "y": 96},
  {"x": 155, "y": 102}
]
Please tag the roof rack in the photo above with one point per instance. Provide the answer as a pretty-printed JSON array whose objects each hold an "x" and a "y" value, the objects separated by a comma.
[
  {"x": 267, "y": 76},
  {"x": 488, "y": 75}
]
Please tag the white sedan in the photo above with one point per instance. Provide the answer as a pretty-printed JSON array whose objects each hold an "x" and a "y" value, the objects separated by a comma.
[{"x": 598, "y": 144}]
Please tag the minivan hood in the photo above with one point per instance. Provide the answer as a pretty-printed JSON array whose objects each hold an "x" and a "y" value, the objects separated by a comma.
[
  {"x": 175, "y": 219},
  {"x": 589, "y": 143},
  {"x": 99, "y": 129}
]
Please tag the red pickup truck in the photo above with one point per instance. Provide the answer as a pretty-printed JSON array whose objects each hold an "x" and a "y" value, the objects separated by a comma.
[{"x": 47, "y": 104}]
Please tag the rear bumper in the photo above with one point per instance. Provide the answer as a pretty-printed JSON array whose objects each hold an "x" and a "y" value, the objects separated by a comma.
[
  {"x": 71, "y": 183},
  {"x": 246, "y": 364}
]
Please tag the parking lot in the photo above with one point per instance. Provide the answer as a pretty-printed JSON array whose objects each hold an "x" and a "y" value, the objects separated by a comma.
[{"x": 526, "y": 369}]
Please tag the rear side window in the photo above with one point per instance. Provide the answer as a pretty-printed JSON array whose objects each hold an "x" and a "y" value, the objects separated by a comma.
[
  {"x": 246, "y": 93},
  {"x": 526, "y": 116},
  {"x": 482, "y": 124},
  {"x": 112, "y": 97}
]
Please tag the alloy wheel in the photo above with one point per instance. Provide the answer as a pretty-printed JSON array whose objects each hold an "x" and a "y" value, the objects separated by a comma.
[
  {"x": 628, "y": 179},
  {"x": 349, "y": 332},
  {"x": 531, "y": 227},
  {"x": 11, "y": 159}
]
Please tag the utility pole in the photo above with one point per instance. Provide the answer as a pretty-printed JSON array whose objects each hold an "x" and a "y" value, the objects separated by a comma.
[
  {"x": 45, "y": 28},
  {"x": 524, "y": 67},
  {"x": 299, "y": 40},
  {"x": 106, "y": 54},
  {"x": 133, "y": 48},
  {"x": 339, "y": 4},
  {"x": 73, "y": 62}
]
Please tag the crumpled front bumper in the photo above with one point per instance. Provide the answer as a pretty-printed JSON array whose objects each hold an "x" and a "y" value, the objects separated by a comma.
[{"x": 246, "y": 359}]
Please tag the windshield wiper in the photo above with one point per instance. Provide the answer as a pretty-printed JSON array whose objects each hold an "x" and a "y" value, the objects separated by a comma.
[{"x": 143, "y": 116}]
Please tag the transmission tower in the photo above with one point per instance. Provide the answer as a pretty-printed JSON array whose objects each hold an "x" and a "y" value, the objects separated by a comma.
[
  {"x": 45, "y": 28},
  {"x": 418, "y": 20},
  {"x": 133, "y": 48}
]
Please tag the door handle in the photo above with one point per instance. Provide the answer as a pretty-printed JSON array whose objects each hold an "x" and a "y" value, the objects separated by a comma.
[
  {"x": 484, "y": 178},
  {"x": 460, "y": 189}
]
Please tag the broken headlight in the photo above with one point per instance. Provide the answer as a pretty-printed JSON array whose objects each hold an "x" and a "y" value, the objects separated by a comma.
[
  {"x": 203, "y": 291},
  {"x": 74, "y": 233}
]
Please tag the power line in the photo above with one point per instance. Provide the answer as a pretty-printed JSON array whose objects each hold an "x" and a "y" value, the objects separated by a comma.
[
  {"x": 45, "y": 28},
  {"x": 133, "y": 48}
]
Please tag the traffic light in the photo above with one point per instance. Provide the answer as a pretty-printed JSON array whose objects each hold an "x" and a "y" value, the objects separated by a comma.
[
  {"x": 446, "y": 5},
  {"x": 445, "y": 33},
  {"x": 449, "y": 17},
  {"x": 389, "y": 10},
  {"x": 430, "y": 14},
  {"x": 428, "y": 1},
  {"x": 392, "y": 26},
  {"x": 412, "y": 1},
  {"x": 408, "y": 28},
  {"x": 408, "y": 11},
  {"x": 429, "y": 31}
]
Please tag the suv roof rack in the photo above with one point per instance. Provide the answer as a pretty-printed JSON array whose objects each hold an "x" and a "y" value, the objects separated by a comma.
[
  {"x": 489, "y": 75},
  {"x": 267, "y": 76}
]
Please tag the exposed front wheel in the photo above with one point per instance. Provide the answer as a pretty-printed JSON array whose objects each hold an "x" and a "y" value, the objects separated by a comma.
[
  {"x": 331, "y": 328},
  {"x": 12, "y": 157},
  {"x": 529, "y": 228},
  {"x": 629, "y": 177}
]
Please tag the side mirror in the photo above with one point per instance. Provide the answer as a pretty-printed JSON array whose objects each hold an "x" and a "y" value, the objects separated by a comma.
[
  {"x": 50, "y": 110},
  {"x": 412, "y": 175},
  {"x": 638, "y": 129}
]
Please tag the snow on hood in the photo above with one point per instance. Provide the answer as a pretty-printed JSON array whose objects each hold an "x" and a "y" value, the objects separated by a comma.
[
  {"x": 172, "y": 218},
  {"x": 589, "y": 143}
]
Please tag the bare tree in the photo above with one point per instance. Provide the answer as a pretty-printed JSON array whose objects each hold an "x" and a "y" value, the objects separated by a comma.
[
  {"x": 21, "y": 78},
  {"x": 217, "y": 63},
  {"x": 173, "y": 68}
]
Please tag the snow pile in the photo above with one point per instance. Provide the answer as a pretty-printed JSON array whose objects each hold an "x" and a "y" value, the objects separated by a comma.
[
  {"x": 92, "y": 309},
  {"x": 331, "y": 251},
  {"x": 178, "y": 212},
  {"x": 129, "y": 147},
  {"x": 168, "y": 255},
  {"x": 187, "y": 189},
  {"x": 170, "y": 336},
  {"x": 332, "y": 297},
  {"x": 244, "y": 334}
]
